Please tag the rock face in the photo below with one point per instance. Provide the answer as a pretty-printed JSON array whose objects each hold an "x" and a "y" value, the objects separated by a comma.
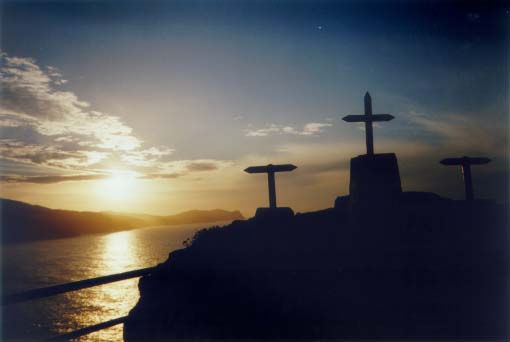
[
  {"x": 430, "y": 267},
  {"x": 279, "y": 213},
  {"x": 374, "y": 179}
]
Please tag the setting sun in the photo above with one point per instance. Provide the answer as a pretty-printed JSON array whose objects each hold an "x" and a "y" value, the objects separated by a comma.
[{"x": 119, "y": 186}]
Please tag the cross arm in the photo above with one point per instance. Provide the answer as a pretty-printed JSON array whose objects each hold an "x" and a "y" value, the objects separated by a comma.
[
  {"x": 451, "y": 161},
  {"x": 368, "y": 118},
  {"x": 465, "y": 161},
  {"x": 270, "y": 168},
  {"x": 283, "y": 167},
  {"x": 480, "y": 160},
  {"x": 256, "y": 169}
]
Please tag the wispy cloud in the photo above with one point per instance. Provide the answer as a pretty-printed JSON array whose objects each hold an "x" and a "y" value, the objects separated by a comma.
[
  {"x": 262, "y": 132},
  {"x": 50, "y": 179},
  {"x": 166, "y": 170},
  {"x": 461, "y": 132},
  {"x": 147, "y": 158},
  {"x": 197, "y": 165},
  {"x": 161, "y": 175},
  {"x": 312, "y": 128},
  {"x": 50, "y": 156},
  {"x": 180, "y": 168},
  {"x": 30, "y": 98}
]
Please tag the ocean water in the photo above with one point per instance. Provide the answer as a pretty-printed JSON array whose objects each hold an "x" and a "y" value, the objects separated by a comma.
[{"x": 44, "y": 263}]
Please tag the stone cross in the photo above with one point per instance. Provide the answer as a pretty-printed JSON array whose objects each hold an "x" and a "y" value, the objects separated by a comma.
[
  {"x": 368, "y": 118},
  {"x": 465, "y": 164},
  {"x": 270, "y": 170}
]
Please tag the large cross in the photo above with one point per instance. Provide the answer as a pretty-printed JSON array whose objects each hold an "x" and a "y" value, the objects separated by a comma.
[
  {"x": 270, "y": 170},
  {"x": 465, "y": 164},
  {"x": 368, "y": 118}
]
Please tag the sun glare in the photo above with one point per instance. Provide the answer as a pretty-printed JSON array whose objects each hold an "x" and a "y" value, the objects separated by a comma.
[{"x": 119, "y": 186}]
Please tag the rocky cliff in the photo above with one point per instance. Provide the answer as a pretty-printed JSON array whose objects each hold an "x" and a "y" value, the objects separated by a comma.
[{"x": 420, "y": 267}]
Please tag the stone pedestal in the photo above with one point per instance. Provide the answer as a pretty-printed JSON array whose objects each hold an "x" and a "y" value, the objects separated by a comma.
[
  {"x": 342, "y": 204},
  {"x": 273, "y": 214},
  {"x": 375, "y": 179}
]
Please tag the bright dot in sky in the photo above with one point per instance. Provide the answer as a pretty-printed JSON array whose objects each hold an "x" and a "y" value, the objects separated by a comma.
[
  {"x": 320, "y": 27},
  {"x": 119, "y": 186}
]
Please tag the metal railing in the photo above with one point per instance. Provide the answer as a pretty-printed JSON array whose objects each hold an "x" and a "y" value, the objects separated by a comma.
[{"x": 74, "y": 286}]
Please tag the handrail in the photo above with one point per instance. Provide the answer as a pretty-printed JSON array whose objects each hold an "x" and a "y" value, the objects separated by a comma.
[
  {"x": 87, "y": 330},
  {"x": 72, "y": 286}
]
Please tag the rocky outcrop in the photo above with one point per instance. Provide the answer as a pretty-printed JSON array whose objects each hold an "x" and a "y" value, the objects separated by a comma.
[{"x": 428, "y": 267}]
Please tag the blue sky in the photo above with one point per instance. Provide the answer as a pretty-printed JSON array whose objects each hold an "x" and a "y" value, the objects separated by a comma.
[{"x": 183, "y": 95}]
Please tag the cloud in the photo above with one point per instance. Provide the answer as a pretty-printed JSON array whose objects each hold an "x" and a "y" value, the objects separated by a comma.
[
  {"x": 312, "y": 128},
  {"x": 161, "y": 175},
  {"x": 181, "y": 168},
  {"x": 66, "y": 139},
  {"x": 461, "y": 132},
  {"x": 49, "y": 156},
  {"x": 147, "y": 158},
  {"x": 50, "y": 179},
  {"x": 203, "y": 166},
  {"x": 196, "y": 165},
  {"x": 29, "y": 98},
  {"x": 53, "y": 128},
  {"x": 263, "y": 131}
]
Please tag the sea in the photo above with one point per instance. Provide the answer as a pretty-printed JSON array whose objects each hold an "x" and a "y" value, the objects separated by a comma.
[{"x": 37, "y": 264}]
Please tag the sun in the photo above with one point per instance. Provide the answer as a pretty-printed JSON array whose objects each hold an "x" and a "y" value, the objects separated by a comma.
[{"x": 120, "y": 186}]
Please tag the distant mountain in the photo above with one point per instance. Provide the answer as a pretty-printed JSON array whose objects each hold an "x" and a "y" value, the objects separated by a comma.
[{"x": 25, "y": 222}]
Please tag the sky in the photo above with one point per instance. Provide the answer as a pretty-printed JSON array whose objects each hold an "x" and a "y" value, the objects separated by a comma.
[{"x": 159, "y": 106}]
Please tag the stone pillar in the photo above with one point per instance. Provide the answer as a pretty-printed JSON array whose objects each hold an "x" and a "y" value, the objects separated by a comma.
[
  {"x": 375, "y": 179},
  {"x": 273, "y": 214}
]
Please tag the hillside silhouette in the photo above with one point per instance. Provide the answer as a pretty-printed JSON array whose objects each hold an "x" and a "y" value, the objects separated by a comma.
[
  {"x": 421, "y": 267},
  {"x": 25, "y": 222}
]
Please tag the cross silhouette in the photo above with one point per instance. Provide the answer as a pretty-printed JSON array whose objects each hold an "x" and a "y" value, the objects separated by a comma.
[
  {"x": 270, "y": 170},
  {"x": 368, "y": 118},
  {"x": 465, "y": 164}
]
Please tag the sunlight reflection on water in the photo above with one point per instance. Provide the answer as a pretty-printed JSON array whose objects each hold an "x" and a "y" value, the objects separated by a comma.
[
  {"x": 44, "y": 263},
  {"x": 106, "y": 302}
]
